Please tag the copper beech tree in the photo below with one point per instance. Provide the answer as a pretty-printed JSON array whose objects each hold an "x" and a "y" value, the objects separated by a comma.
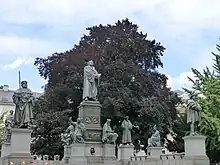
[{"x": 130, "y": 84}]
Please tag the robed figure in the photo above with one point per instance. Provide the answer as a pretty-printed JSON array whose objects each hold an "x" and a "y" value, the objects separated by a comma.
[
  {"x": 91, "y": 81},
  {"x": 154, "y": 140},
  {"x": 24, "y": 101},
  {"x": 126, "y": 128},
  {"x": 9, "y": 123},
  {"x": 108, "y": 135},
  {"x": 78, "y": 135},
  {"x": 193, "y": 113},
  {"x": 68, "y": 136}
]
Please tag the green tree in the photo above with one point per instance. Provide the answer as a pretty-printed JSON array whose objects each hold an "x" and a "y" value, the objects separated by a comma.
[
  {"x": 130, "y": 83},
  {"x": 207, "y": 86}
]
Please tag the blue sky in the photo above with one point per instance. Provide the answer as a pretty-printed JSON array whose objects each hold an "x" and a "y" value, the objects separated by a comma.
[{"x": 36, "y": 28}]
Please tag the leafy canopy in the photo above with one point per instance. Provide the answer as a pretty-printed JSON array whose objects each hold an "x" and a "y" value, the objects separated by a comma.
[{"x": 130, "y": 83}]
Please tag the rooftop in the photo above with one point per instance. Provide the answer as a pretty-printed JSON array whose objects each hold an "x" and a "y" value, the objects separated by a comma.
[{"x": 6, "y": 94}]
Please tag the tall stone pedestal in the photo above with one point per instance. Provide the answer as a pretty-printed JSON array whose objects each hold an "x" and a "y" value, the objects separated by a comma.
[
  {"x": 20, "y": 147},
  {"x": 195, "y": 150},
  {"x": 125, "y": 153},
  {"x": 155, "y": 152},
  {"x": 93, "y": 151},
  {"x": 90, "y": 113}
]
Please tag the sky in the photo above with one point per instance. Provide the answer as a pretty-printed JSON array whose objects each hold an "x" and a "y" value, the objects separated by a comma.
[{"x": 188, "y": 29}]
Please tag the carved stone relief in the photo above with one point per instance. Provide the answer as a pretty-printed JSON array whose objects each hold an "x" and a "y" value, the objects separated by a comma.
[{"x": 92, "y": 120}]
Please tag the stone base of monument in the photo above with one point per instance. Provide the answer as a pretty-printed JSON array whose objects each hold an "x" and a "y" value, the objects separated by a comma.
[
  {"x": 67, "y": 153},
  {"x": 77, "y": 154},
  {"x": 195, "y": 150},
  {"x": 93, "y": 151},
  {"x": 109, "y": 154},
  {"x": 155, "y": 152},
  {"x": 6, "y": 149},
  {"x": 80, "y": 154},
  {"x": 20, "y": 147},
  {"x": 125, "y": 152}
]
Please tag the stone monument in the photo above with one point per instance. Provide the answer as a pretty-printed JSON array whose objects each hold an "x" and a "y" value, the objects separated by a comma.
[
  {"x": 126, "y": 128},
  {"x": 154, "y": 144},
  {"x": 193, "y": 114},
  {"x": 195, "y": 150},
  {"x": 90, "y": 148},
  {"x": 18, "y": 131},
  {"x": 126, "y": 150}
]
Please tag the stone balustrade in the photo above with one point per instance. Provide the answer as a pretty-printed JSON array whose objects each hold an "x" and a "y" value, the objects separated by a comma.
[
  {"x": 164, "y": 159},
  {"x": 44, "y": 160}
]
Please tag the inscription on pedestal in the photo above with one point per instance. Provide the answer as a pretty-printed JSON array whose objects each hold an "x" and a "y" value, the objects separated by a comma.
[{"x": 93, "y": 135}]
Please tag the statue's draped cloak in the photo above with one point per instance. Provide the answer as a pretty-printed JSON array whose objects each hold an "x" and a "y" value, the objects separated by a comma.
[
  {"x": 126, "y": 126},
  {"x": 90, "y": 82},
  {"x": 24, "y": 100}
]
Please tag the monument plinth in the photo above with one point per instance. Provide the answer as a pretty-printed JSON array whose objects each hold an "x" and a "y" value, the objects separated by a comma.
[
  {"x": 20, "y": 147},
  {"x": 6, "y": 149},
  {"x": 195, "y": 150},
  {"x": 195, "y": 145},
  {"x": 89, "y": 112},
  {"x": 77, "y": 154},
  {"x": 125, "y": 151},
  {"x": 155, "y": 152}
]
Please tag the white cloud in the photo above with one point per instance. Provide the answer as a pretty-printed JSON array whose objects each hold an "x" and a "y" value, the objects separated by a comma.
[
  {"x": 18, "y": 62},
  {"x": 23, "y": 46},
  {"x": 175, "y": 23},
  {"x": 70, "y": 13},
  {"x": 181, "y": 81},
  {"x": 24, "y": 50}
]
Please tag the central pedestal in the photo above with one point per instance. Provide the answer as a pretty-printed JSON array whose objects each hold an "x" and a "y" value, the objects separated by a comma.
[
  {"x": 93, "y": 151},
  {"x": 90, "y": 113},
  {"x": 20, "y": 147}
]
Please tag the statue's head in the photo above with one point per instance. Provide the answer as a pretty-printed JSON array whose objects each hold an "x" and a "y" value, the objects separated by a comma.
[
  {"x": 126, "y": 118},
  {"x": 24, "y": 84},
  {"x": 11, "y": 112},
  {"x": 90, "y": 63},
  {"x": 108, "y": 121}
]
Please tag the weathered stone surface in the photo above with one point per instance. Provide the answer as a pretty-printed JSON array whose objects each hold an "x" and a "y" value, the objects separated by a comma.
[
  {"x": 89, "y": 112},
  {"x": 20, "y": 147}
]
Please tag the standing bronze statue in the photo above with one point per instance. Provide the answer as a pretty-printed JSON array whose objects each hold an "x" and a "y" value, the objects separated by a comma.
[
  {"x": 126, "y": 128},
  {"x": 91, "y": 81},
  {"x": 24, "y": 101},
  {"x": 193, "y": 114}
]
